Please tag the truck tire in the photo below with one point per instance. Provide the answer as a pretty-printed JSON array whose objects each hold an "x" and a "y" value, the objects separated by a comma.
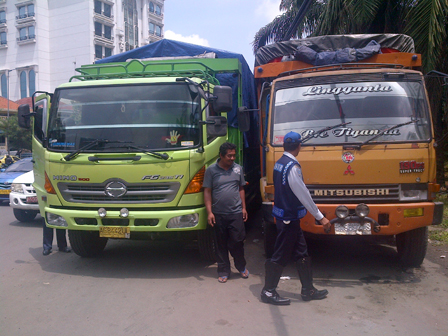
[
  {"x": 25, "y": 215},
  {"x": 270, "y": 235},
  {"x": 206, "y": 244},
  {"x": 411, "y": 246},
  {"x": 86, "y": 243}
]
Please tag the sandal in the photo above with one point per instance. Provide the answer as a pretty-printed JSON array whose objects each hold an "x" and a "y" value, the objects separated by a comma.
[
  {"x": 223, "y": 279},
  {"x": 245, "y": 273}
]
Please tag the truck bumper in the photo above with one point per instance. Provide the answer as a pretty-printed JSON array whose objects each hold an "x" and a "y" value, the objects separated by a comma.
[
  {"x": 137, "y": 220},
  {"x": 386, "y": 219}
]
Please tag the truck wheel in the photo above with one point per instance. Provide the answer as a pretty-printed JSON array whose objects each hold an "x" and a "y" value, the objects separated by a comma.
[
  {"x": 86, "y": 243},
  {"x": 25, "y": 215},
  {"x": 270, "y": 235},
  {"x": 411, "y": 246},
  {"x": 206, "y": 244}
]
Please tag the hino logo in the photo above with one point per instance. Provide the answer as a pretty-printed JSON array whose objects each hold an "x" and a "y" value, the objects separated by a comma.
[
  {"x": 115, "y": 189},
  {"x": 65, "y": 177}
]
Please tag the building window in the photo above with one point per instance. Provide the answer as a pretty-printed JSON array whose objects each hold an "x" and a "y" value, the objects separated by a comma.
[
  {"x": 26, "y": 33},
  {"x": 4, "y": 84},
  {"x": 158, "y": 30},
  {"x": 151, "y": 28},
  {"x": 103, "y": 8},
  {"x": 101, "y": 52},
  {"x": 98, "y": 29},
  {"x": 130, "y": 24},
  {"x": 23, "y": 92},
  {"x": 32, "y": 83},
  {"x": 3, "y": 40},
  {"x": 151, "y": 7},
  {"x": 26, "y": 11},
  {"x": 98, "y": 51},
  {"x": 2, "y": 16},
  {"x": 158, "y": 10},
  {"x": 98, "y": 7},
  {"x": 103, "y": 30}
]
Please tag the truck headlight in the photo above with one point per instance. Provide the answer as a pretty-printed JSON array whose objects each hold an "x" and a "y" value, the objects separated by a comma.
[
  {"x": 17, "y": 187},
  {"x": 56, "y": 220},
  {"x": 342, "y": 211},
  {"x": 413, "y": 192},
  {"x": 362, "y": 210},
  {"x": 184, "y": 221}
]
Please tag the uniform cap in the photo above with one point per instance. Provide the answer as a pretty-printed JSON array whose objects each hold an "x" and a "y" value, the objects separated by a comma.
[{"x": 292, "y": 137}]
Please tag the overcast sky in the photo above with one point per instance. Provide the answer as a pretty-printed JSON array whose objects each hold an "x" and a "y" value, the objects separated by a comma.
[{"x": 222, "y": 24}]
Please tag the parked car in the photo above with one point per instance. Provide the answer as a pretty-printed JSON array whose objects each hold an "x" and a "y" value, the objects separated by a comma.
[
  {"x": 16, "y": 169},
  {"x": 23, "y": 197}
]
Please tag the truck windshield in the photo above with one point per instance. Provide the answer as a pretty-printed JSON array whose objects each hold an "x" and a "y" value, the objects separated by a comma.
[
  {"x": 151, "y": 116},
  {"x": 368, "y": 108}
]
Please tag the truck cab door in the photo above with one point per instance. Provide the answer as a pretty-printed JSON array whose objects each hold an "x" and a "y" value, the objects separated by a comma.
[{"x": 39, "y": 139}]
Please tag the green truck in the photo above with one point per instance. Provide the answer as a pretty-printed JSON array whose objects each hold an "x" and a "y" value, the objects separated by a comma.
[{"x": 120, "y": 150}]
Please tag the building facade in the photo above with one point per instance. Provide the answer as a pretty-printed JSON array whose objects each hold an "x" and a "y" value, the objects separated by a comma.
[{"x": 42, "y": 42}]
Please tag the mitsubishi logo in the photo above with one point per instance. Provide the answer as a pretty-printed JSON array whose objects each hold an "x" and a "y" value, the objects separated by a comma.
[
  {"x": 349, "y": 171},
  {"x": 115, "y": 189}
]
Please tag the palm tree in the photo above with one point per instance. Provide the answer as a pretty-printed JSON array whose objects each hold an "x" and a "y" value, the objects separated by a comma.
[{"x": 426, "y": 21}]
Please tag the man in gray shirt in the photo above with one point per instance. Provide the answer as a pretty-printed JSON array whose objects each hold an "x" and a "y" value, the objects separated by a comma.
[{"x": 224, "y": 200}]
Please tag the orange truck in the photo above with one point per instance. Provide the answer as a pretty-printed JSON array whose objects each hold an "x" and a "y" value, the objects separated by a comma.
[{"x": 368, "y": 153}]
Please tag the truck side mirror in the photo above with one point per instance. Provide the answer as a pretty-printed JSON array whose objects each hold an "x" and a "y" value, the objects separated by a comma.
[
  {"x": 243, "y": 119},
  {"x": 223, "y": 99},
  {"x": 23, "y": 116},
  {"x": 216, "y": 126}
]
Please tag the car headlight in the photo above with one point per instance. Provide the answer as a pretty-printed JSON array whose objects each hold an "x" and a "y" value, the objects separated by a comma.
[
  {"x": 413, "y": 192},
  {"x": 184, "y": 221},
  {"x": 17, "y": 187}
]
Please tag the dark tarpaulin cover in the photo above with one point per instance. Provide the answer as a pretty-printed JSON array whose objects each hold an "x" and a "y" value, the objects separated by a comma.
[
  {"x": 330, "y": 43},
  {"x": 170, "y": 48}
]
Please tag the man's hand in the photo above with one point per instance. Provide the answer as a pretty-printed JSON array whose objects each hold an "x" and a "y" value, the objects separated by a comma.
[
  {"x": 326, "y": 223},
  {"x": 211, "y": 219},
  {"x": 245, "y": 216}
]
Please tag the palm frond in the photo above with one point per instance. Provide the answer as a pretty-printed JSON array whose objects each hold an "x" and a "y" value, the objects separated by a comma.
[{"x": 427, "y": 23}]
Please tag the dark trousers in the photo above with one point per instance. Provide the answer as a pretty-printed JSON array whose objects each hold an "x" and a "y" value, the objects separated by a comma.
[
  {"x": 229, "y": 237},
  {"x": 48, "y": 238},
  {"x": 290, "y": 243}
]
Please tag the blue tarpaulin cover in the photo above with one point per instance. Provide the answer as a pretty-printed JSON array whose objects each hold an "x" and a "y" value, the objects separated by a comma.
[{"x": 170, "y": 48}]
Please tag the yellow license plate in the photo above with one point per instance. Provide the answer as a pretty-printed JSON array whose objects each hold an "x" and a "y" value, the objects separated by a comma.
[
  {"x": 417, "y": 212},
  {"x": 5, "y": 191},
  {"x": 115, "y": 232}
]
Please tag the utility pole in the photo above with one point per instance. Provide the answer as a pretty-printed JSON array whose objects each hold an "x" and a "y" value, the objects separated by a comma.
[{"x": 7, "y": 116}]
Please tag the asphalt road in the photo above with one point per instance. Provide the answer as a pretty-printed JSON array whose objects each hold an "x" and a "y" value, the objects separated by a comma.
[{"x": 163, "y": 288}]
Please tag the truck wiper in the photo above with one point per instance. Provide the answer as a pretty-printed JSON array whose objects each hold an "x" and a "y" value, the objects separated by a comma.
[
  {"x": 91, "y": 144},
  {"x": 163, "y": 156},
  {"x": 384, "y": 131},
  {"x": 323, "y": 130}
]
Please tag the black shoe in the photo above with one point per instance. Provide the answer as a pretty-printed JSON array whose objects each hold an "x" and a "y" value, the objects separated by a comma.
[
  {"x": 313, "y": 294},
  {"x": 46, "y": 252},
  {"x": 65, "y": 249},
  {"x": 272, "y": 297}
]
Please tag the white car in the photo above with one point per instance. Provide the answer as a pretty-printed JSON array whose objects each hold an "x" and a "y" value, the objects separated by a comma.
[{"x": 23, "y": 197}]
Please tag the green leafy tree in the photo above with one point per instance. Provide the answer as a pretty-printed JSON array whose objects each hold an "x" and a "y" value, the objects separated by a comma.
[
  {"x": 426, "y": 21},
  {"x": 18, "y": 138}
]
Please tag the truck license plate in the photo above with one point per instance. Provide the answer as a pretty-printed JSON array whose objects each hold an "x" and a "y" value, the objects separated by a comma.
[
  {"x": 115, "y": 232},
  {"x": 5, "y": 191},
  {"x": 353, "y": 229}
]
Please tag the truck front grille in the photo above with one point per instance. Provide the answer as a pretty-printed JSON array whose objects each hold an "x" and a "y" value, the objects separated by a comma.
[
  {"x": 372, "y": 193},
  {"x": 135, "y": 192}
]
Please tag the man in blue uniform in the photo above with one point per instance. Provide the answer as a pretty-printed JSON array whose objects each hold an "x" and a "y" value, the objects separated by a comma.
[
  {"x": 224, "y": 200},
  {"x": 292, "y": 201}
]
